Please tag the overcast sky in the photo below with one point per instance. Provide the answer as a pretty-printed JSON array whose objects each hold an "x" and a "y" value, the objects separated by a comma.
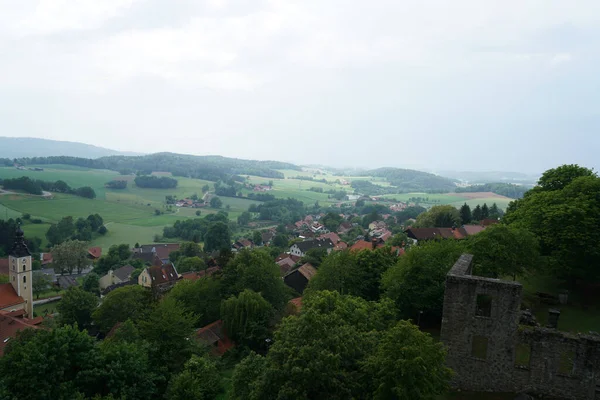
[{"x": 508, "y": 85}]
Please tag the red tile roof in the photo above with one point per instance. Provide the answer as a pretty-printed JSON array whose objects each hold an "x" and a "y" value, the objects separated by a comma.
[
  {"x": 361, "y": 245},
  {"x": 163, "y": 274},
  {"x": 308, "y": 271},
  {"x": 214, "y": 335},
  {"x": 95, "y": 252},
  {"x": 195, "y": 275},
  {"x": 285, "y": 255},
  {"x": 10, "y": 325},
  {"x": 8, "y": 296},
  {"x": 4, "y": 266},
  {"x": 46, "y": 258},
  {"x": 340, "y": 246},
  {"x": 297, "y": 302},
  {"x": 163, "y": 250},
  {"x": 332, "y": 236}
]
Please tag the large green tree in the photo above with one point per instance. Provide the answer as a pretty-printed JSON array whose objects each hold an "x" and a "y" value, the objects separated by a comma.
[
  {"x": 129, "y": 302},
  {"x": 76, "y": 307},
  {"x": 247, "y": 318},
  {"x": 168, "y": 329},
  {"x": 563, "y": 211},
  {"x": 186, "y": 264},
  {"x": 217, "y": 237},
  {"x": 201, "y": 297},
  {"x": 503, "y": 250},
  {"x": 48, "y": 364},
  {"x": 335, "y": 350},
  {"x": 199, "y": 380},
  {"x": 439, "y": 217},
  {"x": 355, "y": 273},
  {"x": 407, "y": 365},
  {"x": 465, "y": 214},
  {"x": 69, "y": 255},
  {"x": 255, "y": 270},
  {"x": 477, "y": 213},
  {"x": 417, "y": 282}
]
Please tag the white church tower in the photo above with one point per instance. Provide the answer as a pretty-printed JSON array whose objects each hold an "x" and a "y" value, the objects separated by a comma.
[{"x": 19, "y": 271}]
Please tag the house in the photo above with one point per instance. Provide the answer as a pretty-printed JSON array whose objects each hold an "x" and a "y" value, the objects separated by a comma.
[
  {"x": 242, "y": 244},
  {"x": 160, "y": 250},
  {"x": 300, "y": 249},
  {"x": 331, "y": 236},
  {"x": 195, "y": 275},
  {"x": 45, "y": 258},
  {"x": 424, "y": 234},
  {"x": 119, "y": 275},
  {"x": 352, "y": 197},
  {"x": 316, "y": 227},
  {"x": 286, "y": 262},
  {"x": 344, "y": 228},
  {"x": 339, "y": 246},
  {"x": 13, "y": 322},
  {"x": 66, "y": 281},
  {"x": 94, "y": 253},
  {"x": 298, "y": 279},
  {"x": 160, "y": 277},
  {"x": 375, "y": 244},
  {"x": 214, "y": 336}
]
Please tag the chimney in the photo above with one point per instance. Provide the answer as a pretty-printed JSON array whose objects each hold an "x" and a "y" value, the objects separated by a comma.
[
  {"x": 553, "y": 315},
  {"x": 374, "y": 243}
]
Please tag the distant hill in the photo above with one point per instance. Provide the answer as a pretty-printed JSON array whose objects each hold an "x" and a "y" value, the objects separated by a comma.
[
  {"x": 491, "y": 176},
  {"x": 212, "y": 168},
  {"x": 410, "y": 180},
  {"x": 12, "y": 147}
]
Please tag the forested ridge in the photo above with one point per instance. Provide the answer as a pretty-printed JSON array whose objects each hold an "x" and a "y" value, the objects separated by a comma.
[
  {"x": 211, "y": 168},
  {"x": 408, "y": 180}
]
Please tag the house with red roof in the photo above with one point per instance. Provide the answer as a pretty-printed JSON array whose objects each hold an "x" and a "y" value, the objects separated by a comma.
[
  {"x": 214, "y": 336},
  {"x": 159, "y": 277},
  {"x": 195, "y": 275},
  {"x": 94, "y": 253},
  {"x": 12, "y": 323}
]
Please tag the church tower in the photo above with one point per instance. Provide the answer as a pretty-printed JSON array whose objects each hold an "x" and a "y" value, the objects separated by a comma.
[{"x": 19, "y": 271}]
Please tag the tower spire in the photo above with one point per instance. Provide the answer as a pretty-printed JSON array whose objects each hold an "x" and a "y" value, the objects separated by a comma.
[{"x": 19, "y": 248}]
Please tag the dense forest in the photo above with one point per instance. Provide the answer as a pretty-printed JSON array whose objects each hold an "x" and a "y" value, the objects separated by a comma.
[
  {"x": 37, "y": 187},
  {"x": 504, "y": 189},
  {"x": 151, "y": 181},
  {"x": 212, "y": 168},
  {"x": 408, "y": 180}
]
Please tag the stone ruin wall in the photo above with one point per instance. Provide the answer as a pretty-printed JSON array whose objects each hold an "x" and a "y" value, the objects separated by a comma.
[{"x": 480, "y": 327}]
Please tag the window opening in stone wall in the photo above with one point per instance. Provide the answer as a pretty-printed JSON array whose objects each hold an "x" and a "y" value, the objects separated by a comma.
[
  {"x": 522, "y": 355},
  {"x": 479, "y": 347},
  {"x": 484, "y": 305},
  {"x": 566, "y": 362}
]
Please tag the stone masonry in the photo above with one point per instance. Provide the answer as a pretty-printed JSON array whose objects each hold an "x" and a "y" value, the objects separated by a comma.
[{"x": 480, "y": 327}]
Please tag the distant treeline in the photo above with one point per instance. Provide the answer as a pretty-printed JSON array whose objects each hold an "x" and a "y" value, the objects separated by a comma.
[
  {"x": 194, "y": 230},
  {"x": 408, "y": 180},
  {"x": 212, "y": 168},
  {"x": 116, "y": 184},
  {"x": 151, "y": 181},
  {"x": 80, "y": 229},
  {"x": 284, "y": 211},
  {"x": 37, "y": 187},
  {"x": 504, "y": 189}
]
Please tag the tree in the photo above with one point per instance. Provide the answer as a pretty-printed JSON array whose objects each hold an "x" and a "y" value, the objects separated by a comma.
[
  {"x": 244, "y": 218},
  {"x": 399, "y": 240},
  {"x": 354, "y": 273},
  {"x": 57, "y": 360},
  {"x": 129, "y": 302},
  {"x": 69, "y": 255},
  {"x": 117, "y": 256},
  {"x": 503, "y": 250},
  {"x": 198, "y": 213},
  {"x": 205, "y": 188},
  {"x": 485, "y": 211},
  {"x": 217, "y": 237},
  {"x": 190, "y": 249},
  {"x": 280, "y": 240},
  {"x": 91, "y": 283},
  {"x": 168, "y": 329},
  {"x": 465, "y": 214},
  {"x": 246, "y": 318},
  {"x": 199, "y": 380},
  {"x": 564, "y": 217},
  {"x": 495, "y": 212},
  {"x": 558, "y": 178},
  {"x": 257, "y": 238},
  {"x": 40, "y": 283},
  {"x": 477, "y": 213},
  {"x": 417, "y": 282},
  {"x": 103, "y": 230},
  {"x": 439, "y": 217},
  {"x": 201, "y": 297},
  {"x": 245, "y": 382},
  {"x": 255, "y": 270},
  {"x": 187, "y": 264},
  {"x": 336, "y": 349},
  {"x": 216, "y": 202},
  {"x": 76, "y": 307},
  {"x": 408, "y": 364},
  {"x": 86, "y": 192}
]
